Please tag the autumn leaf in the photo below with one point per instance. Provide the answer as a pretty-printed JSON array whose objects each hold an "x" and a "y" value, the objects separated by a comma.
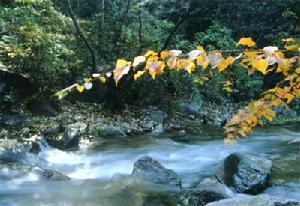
[
  {"x": 102, "y": 79},
  {"x": 150, "y": 53},
  {"x": 138, "y": 60},
  {"x": 287, "y": 40},
  {"x": 270, "y": 50},
  {"x": 87, "y": 80},
  {"x": 164, "y": 54},
  {"x": 194, "y": 54},
  {"x": 261, "y": 65},
  {"x": 291, "y": 47},
  {"x": 175, "y": 53},
  {"x": 80, "y": 88},
  {"x": 138, "y": 75},
  {"x": 88, "y": 85},
  {"x": 225, "y": 63},
  {"x": 96, "y": 75},
  {"x": 122, "y": 63},
  {"x": 246, "y": 42},
  {"x": 298, "y": 70},
  {"x": 190, "y": 67}
]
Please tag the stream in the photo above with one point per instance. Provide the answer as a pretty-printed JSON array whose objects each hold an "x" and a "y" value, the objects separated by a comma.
[{"x": 100, "y": 174}]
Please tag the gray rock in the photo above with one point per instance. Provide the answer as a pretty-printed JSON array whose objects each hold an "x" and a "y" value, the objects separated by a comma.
[
  {"x": 159, "y": 129},
  {"x": 208, "y": 190},
  {"x": 53, "y": 175},
  {"x": 12, "y": 151},
  {"x": 72, "y": 134},
  {"x": 14, "y": 171},
  {"x": 260, "y": 200},
  {"x": 112, "y": 131},
  {"x": 69, "y": 139},
  {"x": 151, "y": 170},
  {"x": 246, "y": 173}
]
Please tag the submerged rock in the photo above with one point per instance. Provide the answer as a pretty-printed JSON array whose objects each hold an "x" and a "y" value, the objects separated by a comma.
[
  {"x": 207, "y": 191},
  {"x": 260, "y": 200},
  {"x": 246, "y": 173},
  {"x": 14, "y": 171},
  {"x": 151, "y": 170}
]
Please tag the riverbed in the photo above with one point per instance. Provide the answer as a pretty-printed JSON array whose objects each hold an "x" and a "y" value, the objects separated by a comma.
[{"x": 100, "y": 172}]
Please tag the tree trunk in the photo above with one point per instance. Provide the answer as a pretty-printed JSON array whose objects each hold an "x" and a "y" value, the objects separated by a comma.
[
  {"x": 140, "y": 31},
  {"x": 83, "y": 38}
]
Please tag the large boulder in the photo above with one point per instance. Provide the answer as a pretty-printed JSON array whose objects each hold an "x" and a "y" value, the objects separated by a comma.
[
  {"x": 260, "y": 200},
  {"x": 151, "y": 170},
  {"x": 70, "y": 138},
  {"x": 208, "y": 190},
  {"x": 246, "y": 173}
]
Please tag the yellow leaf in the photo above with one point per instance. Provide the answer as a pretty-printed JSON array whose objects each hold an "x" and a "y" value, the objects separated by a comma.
[
  {"x": 122, "y": 63},
  {"x": 87, "y": 80},
  {"x": 250, "y": 54},
  {"x": 246, "y": 42},
  {"x": 288, "y": 40},
  {"x": 291, "y": 47},
  {"x": 190, "y": 67},
  {"x": 225, "y": 63},
  {"x": 289, "y": 97},
  {"x": 150, "y": 53},
  {"x": 102, "y": 79},
  {"x": 138, "y": 75},
  {"x": 164, "y": 54},
  {"x": 80, "y": 88},
  {"x": 261, "y": 65},
  {"x": 298, "y": 70}
]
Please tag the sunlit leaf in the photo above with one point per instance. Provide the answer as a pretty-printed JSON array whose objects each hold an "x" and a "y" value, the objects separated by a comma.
[
  {"x": 80, "y": 88},
  {"x": 246, "y": 42},
  {"x": 261, "y": 65},
  {"x": 291, "y": 47},
  {"x": 138, "y": 60},
  {"x": 138, "y": 74},
  {"x": 88, "y": 85}
]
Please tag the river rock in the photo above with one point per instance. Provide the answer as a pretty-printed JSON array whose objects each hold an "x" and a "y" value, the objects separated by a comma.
[
  {"x": 208, "y": 190},
  {"x": 112, "y": 131},
  {"x": 260, "y": 200},
  {"x": 70, "y": 138},
  {"x": 151, "y": 170},
  {"x": 13, "y": 171},
  {"x": 246, "y": 173},
  {"x": 12, "y": 151}
]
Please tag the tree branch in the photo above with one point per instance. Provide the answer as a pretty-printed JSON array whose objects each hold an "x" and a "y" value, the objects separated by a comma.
[{"x": 83, "y": 38}]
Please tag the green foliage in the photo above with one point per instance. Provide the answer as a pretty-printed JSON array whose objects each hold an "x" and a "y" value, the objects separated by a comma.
[{"x": 36, "y": 43}]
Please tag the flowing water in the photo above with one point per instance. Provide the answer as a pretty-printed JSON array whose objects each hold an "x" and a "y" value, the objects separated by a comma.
[{"x": 99, "y": 175}]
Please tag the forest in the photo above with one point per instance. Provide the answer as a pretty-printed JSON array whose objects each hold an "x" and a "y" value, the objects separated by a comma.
[{"x": 150, "y": 103}]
